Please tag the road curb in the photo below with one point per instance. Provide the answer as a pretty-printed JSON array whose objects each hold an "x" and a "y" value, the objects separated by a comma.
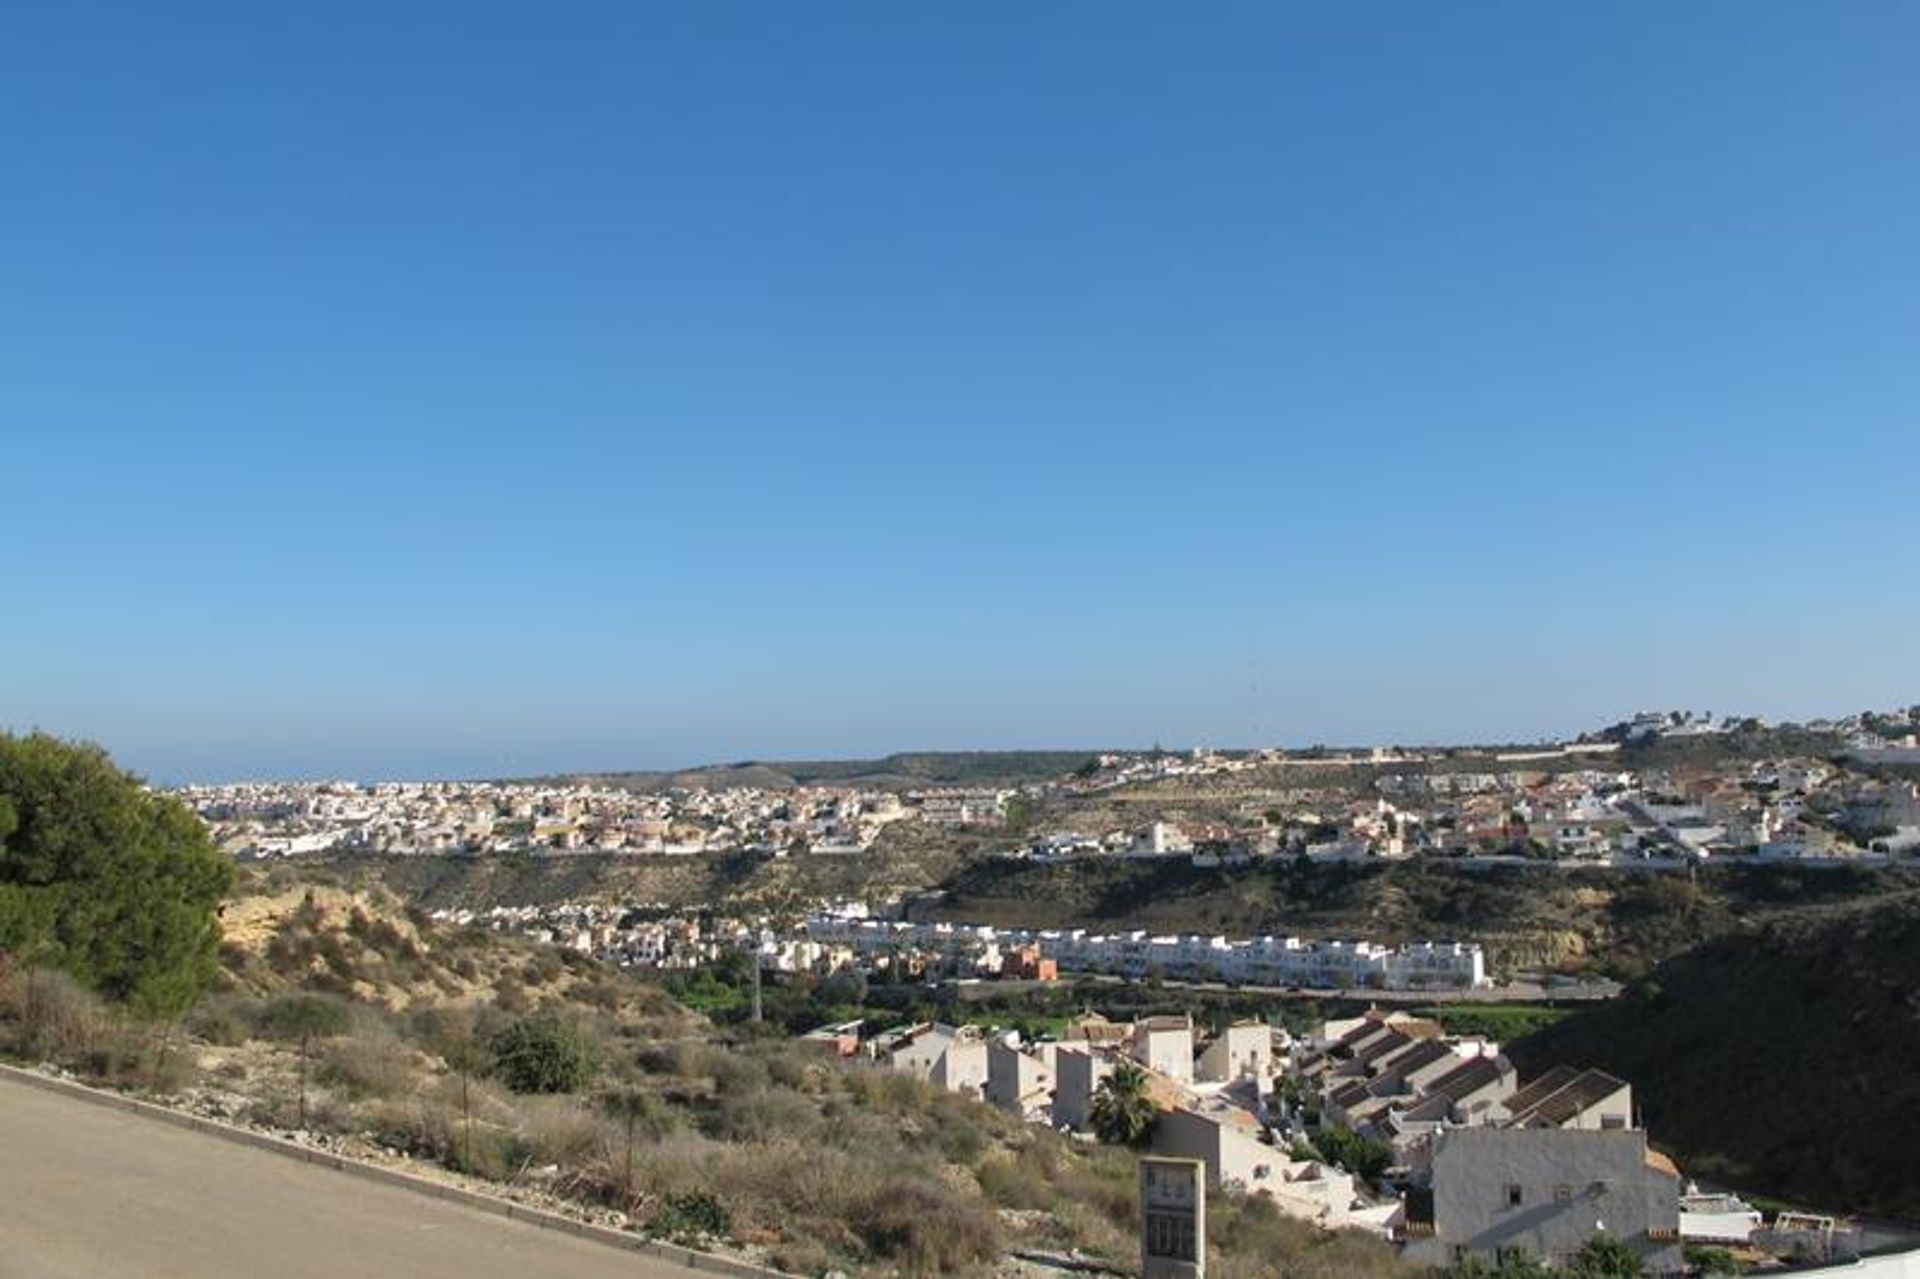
[{"x": 692, "y": 1259}]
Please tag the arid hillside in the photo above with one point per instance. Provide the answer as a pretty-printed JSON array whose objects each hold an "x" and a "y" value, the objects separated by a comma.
[
  {"x": 349, "y": 1021},
  {"x": 1615, "y": 922},
  {"x": 1779, "y": 1056}
]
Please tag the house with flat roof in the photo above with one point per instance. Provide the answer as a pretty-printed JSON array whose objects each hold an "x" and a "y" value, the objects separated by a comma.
[
  {"x": 1165, "y": 1045},
  {"x": 1543, "y": 1193},
  {"x": 1228, "y": 1141}
]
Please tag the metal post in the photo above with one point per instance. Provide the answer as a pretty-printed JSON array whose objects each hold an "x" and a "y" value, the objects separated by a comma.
[{"x": 756, "y": 981}]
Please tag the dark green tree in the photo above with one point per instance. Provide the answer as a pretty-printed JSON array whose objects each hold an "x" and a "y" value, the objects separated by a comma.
[
  {"x": 1124, "y": 1112},
  {"x": 1364, "y": 1157},
  {"x": 104, "y": 879}
]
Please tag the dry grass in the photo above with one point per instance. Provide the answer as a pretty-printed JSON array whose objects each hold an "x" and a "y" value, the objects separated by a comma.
[
  {"x": 1248, "y": 1238},
  {"x": 373, "y": 1063},
  {"x": 47, "y": 1016}
]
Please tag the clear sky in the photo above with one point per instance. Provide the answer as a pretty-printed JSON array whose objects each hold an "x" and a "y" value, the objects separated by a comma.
[{"x": 473, "y": 388}]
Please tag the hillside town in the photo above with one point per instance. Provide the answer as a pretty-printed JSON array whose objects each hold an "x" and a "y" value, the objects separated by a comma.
[
  {"x": 1381, "y": 1122},
  {"x": 267, "y": 819},
  {"x": 1384, "y": 1122}
]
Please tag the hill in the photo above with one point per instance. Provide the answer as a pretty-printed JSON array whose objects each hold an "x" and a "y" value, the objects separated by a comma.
[
  {"x": 436, "y": 881},
  {"x": 905, "y": 770},
  {"x": 1618, "y": 922},
  {"x": 1778, "y": 1057}
]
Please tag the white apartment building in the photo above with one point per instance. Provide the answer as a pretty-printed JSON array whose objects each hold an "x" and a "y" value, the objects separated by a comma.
[{"x": 1262, "y": 961}]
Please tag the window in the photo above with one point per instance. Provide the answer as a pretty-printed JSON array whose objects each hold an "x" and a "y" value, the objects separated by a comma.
[
  {"x": 1171, "y": 1235},
  {"x": 1563, "y": 1193},
  {"x": 1513, "y": 1196}
]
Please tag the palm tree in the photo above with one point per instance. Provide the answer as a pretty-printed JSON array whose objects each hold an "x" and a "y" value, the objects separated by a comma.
[{"x": 1123, "y": 1111}]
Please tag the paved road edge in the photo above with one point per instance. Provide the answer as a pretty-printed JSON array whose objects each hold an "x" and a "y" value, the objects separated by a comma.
[{"x": 688, "y": 1257}]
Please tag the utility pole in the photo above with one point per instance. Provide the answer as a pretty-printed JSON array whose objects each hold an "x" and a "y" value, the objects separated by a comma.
[{"x": 756, "y": 980}]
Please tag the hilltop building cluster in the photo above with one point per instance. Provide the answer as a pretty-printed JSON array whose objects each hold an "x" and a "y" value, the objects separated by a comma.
[
  {"x": 1788, "y": 809},
  {"x": 630, "y": 936},
  {"x": 264, "y": 819}
]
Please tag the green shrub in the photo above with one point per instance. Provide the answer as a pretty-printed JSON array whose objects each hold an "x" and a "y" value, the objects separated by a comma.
[
  {"x": 692, "y": 1215},
  {"x": 1713, "y": 1261},
  {"x": 803, "y": 1256},
  {"x": 1604, "y": 1257},
  {"x": 224, "y": 1020},
  {"x": 303, "y": 1017},
  {"x": 543, "y": 1054}
]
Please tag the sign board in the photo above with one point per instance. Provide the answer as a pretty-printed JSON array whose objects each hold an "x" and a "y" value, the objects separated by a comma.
[{"x": 1173, "y": 1211}]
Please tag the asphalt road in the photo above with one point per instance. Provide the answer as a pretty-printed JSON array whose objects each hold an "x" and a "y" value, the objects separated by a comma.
[{"x": 87, "y": 1192}]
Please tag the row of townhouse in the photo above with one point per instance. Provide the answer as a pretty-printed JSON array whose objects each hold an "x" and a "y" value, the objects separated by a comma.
[
  {"x": 1210, "y": 1100},
  {"x": 962, "y": 806},
  {"x": 1494, "y": 1168},
  {"x": 1259, "y": 961}
]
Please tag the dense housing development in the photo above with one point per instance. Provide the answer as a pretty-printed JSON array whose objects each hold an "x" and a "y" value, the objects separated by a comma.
[
  {"x": 265, "y": 819},
  {"x": 1576, "y": 804}
]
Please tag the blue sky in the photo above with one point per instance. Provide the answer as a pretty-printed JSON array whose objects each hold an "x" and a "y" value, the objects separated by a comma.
[{"x": 451, "y": 389}]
